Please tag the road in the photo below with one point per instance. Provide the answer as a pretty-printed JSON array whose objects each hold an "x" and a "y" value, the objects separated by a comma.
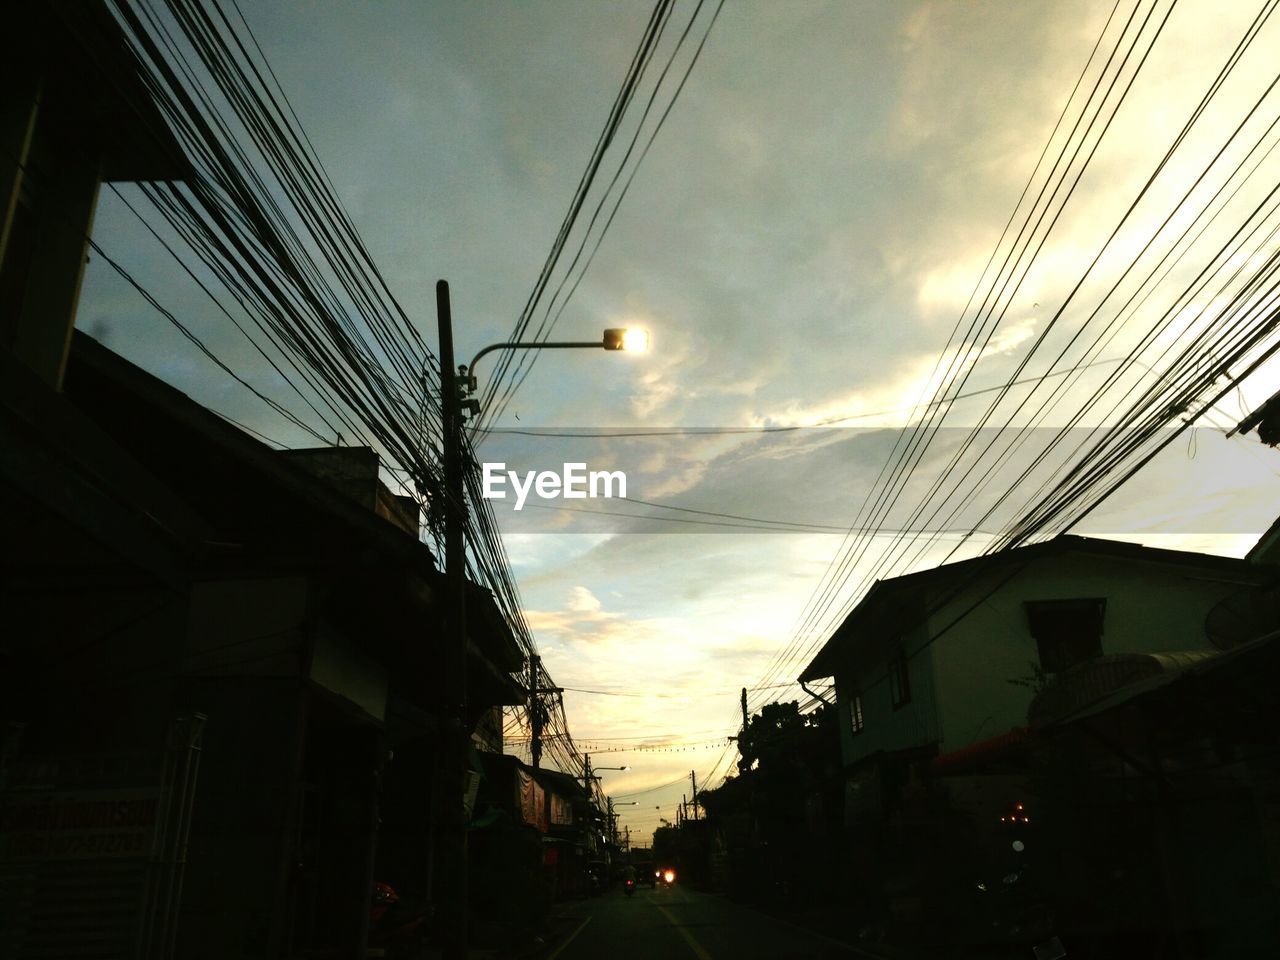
[{"x": 680, "y": 924}]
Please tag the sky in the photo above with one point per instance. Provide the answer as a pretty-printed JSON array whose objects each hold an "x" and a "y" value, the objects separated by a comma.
[{"x": 800, "y": 240}]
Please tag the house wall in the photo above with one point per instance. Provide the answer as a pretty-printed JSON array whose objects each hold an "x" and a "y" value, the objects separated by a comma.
[
  {"x": 246, "y": 626},
  {"x": 235, "y": 890},
  {"x": 91, "y": 659},
  {"x": 341, "y": 667},
  {"x": 1151, "y": 608},
  {"x": 257, "y": 625},
  {"x": 914, "y": 724}
]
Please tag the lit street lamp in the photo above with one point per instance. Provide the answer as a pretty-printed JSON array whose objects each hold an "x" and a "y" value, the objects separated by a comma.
[{"x": 630, "y": 339}]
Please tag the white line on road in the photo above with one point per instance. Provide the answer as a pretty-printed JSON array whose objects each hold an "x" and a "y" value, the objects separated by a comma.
[
  {"x": 858, "y": 951},
  {"x": 694, "y": 945},
  {"x": 568, "y": 940}
]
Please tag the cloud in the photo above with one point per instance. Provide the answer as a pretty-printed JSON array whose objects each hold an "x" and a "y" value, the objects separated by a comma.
[{"x": 583, "y": 601}]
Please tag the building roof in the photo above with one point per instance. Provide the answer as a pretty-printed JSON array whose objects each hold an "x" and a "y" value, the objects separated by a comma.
[
  {"x": 141, "y": 411},
  {"x": 1265, "y": 418},
  {"x": 892, "y": 600},
  {"x": 247, "y": 495},
  {"x": 1255, "y": 661},
  {"x": 1267, "y": 549}
]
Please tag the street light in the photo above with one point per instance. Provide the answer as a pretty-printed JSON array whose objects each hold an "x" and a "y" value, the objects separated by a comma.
[
  {"x": 589, "y": 770},
  {"x": 630, "y": 339},
  {"x": 592, "y": 776}
]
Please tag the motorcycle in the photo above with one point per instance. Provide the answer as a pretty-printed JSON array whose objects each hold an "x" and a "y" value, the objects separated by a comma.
[
  {"x": 1016, "y": 916},
  {"x": 397, "y": 929},
  {"x": 629, "y": 887}
]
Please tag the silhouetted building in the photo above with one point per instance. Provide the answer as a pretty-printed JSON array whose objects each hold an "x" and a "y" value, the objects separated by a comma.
[
  {"x": 1100, "y": 703},
  {"x": 942, "y": 665},
  {"x": 220, "y": 664}
]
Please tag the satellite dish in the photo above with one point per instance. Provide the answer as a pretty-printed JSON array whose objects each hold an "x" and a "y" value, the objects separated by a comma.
[{"x": 1243, "y": 616}]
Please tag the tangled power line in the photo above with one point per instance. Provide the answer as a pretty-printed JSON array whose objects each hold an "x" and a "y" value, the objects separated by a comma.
[
  {"x": 1197, "y": 301},
  {"x": 258, "y": 227}
]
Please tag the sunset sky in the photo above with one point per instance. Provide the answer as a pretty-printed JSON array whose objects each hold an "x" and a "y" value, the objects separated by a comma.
[{"x": 800, "y": 241}]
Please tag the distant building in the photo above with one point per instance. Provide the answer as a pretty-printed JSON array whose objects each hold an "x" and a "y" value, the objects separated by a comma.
[{"x": 536, "y": 837}]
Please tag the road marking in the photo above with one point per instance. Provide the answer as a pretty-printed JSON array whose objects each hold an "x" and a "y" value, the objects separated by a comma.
[
  {"x": 694, "y": 945},
  {"x": 560, "y": 949},
  {"x": 858, "y": 951}
]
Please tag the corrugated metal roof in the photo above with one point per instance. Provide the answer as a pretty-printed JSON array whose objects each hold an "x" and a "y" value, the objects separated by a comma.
[{"x": 1244, "y": 657}]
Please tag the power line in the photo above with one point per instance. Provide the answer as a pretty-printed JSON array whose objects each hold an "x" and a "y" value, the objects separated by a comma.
[
  {"x": 493, "y": 410},
  {"x": 640, "y": 432},
  {"x": 812, "y": 628}
]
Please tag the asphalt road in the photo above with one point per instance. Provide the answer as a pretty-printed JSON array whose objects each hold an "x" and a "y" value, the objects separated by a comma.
[{"x": 676, "y": 923}]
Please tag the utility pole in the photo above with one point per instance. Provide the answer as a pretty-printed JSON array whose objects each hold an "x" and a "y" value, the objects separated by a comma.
[
  {"x": 693, "y": 779},
  {"x": 535, "y": 713},
  {"x": 535, "y": 709},
  {"x": 451, "y": 837},
  {"x": 744, "y": 763}
]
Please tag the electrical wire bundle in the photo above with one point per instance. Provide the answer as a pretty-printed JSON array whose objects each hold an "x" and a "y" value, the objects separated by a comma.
[
  {"x": 261, "y": 215},
  {"x": 511, "y": 372},
  {"x": 507, "y": 378},
  {"x": 266, "y": 222},
  {"x": 1197, "y": 300}
]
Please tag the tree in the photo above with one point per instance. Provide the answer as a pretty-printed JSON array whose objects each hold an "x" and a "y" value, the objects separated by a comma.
[
  {"x": 765, "y": 818},
  {"x": 782, "y": 741}
]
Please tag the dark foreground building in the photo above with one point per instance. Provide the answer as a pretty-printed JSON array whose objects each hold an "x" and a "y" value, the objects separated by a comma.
[
  {"x": 1095, "y": 720},
  {"x": 220, "y": 685},
  {"x": 220, "y": 664}
]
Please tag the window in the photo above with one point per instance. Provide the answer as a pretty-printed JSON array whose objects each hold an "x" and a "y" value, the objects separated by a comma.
[
  {"x": 855, "y": 713},
  {"x": 899, "y": 679},
  {"x": 1067, "y": 632}
]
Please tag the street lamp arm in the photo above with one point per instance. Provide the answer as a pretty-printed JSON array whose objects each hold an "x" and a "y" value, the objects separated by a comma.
[
  {"x": 535, "y": 345},
  {"x": 592, "y": 776}
]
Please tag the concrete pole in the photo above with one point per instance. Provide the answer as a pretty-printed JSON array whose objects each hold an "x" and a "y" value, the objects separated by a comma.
[
  {"x": 452, "y": 836},
  {"x": 535, "y": 714}
]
